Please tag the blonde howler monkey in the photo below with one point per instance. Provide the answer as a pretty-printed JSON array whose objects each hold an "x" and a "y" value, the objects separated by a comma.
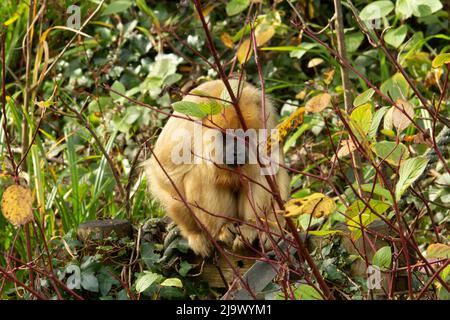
[{"x": 217, "y": 192}]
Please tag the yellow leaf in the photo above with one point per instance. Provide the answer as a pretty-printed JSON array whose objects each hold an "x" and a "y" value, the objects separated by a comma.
[
  {"x": 438, "y": 251},
  {"x": 17, "y": 205},
  {"x": 263, "y": 33},
  {"x": 316, "y": 204},
  {"x": 329, "y": 75},
  {"x": 244, "y": 51},
  {"x": 12, "y": 19},
  {"x": 318, "y": 103},
  {"x": 347, "y": 146},
  {"x": 314, "y": 62},
  {"x": 301, "y": 95},
  {"x": 226, "y": 39}
]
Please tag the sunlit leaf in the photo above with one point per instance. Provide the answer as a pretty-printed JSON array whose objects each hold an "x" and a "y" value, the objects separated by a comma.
[
  {"x": 440, "y": 60},
  {"x": 383, "y": 257},
  {"x": 410, "y": 170},
  {"x": 189, "y": 108}
]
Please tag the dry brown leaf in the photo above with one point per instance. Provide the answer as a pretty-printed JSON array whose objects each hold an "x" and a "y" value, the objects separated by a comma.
[
  {"x": 17, "y": 205},
  {"x": 399, "y": 119},
  {"x": 318, "y": 103},
  {"x": 347, "y": 146}
]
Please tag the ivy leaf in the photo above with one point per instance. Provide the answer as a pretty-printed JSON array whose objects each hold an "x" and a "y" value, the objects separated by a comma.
[
  {"x": 189, "y": 108},
  {"x": 236, "y": 6},
  {"x": 383, "y": 257},
  {"x": 120, "y": 88},
  {"x": 410, "y": 170},
  {"x": 184, "y": 268},
  {"x": 89, "y": 281},
  {"x": 172, "y": 282}
]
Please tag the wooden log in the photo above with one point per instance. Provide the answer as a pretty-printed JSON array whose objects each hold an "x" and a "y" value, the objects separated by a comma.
[{"x": 101, "y": 229}]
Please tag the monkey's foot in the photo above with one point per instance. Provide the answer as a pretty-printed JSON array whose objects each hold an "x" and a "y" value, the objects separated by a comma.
[
  {"x": 200, "y": 244},
  {"x": 227, "y": 234}
]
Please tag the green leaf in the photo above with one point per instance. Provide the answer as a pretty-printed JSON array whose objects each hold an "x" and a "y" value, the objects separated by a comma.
[
  {"x": 410, "y": 170},
  {"x": 359, "y": 214},
  {"x": 236, "y": 6},
  {"x": 378, "y": 190},
  {"x": 119, "y": 87},
  {"x": 420, "y": 8},
  {"x": 211, "y": 107},
  {"x": 303, "y": 292},
  {"x": 440, "y": 60},
  {"x": 363, "y": 97},
  {"x": 376, "y": 120},
  {"x": 299, "y": 51},
  {"x": 89, "y": 282},
  {"x": 395, "y": 37},
  {"x": 391, "y": 151},
  {"x": 376, "y": 10},
  {"x": 322, "y": 233},
  {"x": 353, "y": 41},
  {"x": 383, "y": 257},
  {"x": 362, "y": 117},
  {"x": 225, "y": 95},
  {"x": 142, "y": 5},
  {"x": 403, "y": 8},
  {"x": 116, "y": 6},
  {"x": 184, "y": 268},
  {"x": 396, "y": 87},
  {"x": 189, "y": 108},
  {"x": 145, "y": 280},
  {"x": 172, "y": 282}
]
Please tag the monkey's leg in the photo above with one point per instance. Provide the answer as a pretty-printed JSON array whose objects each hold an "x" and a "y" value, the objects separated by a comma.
[
  {"x": 256, "y": 206},
  {"x": 209, "y": 202}
]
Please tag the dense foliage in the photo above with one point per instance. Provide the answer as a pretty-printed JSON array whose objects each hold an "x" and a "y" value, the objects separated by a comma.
[{"x": 84, "y": 98}]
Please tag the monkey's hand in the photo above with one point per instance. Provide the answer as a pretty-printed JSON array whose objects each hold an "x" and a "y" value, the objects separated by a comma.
[{"x": 174, "y": 245}]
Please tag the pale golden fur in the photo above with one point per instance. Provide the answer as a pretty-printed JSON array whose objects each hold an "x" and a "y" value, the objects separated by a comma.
[{"x": 216, "y": 190}]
